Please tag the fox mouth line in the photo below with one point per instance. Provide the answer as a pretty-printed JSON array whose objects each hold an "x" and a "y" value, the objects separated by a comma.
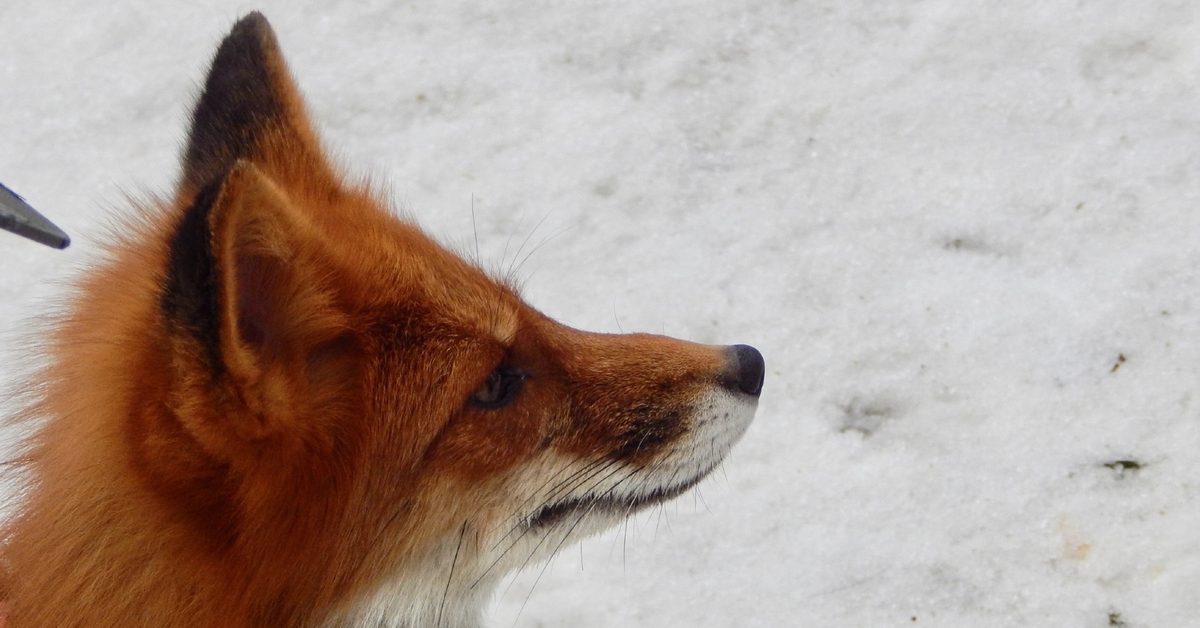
[{"x": 605, "y": 502}]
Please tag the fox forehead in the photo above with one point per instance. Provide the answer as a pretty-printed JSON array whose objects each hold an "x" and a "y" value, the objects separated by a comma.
[{"x": 386, "y": 261}]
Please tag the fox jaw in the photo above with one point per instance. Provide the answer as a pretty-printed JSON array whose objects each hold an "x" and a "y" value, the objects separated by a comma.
[{"x": 278, "y": 404}]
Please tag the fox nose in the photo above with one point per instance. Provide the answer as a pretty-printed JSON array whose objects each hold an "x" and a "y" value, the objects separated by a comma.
[{"x": 744, "y": 370}]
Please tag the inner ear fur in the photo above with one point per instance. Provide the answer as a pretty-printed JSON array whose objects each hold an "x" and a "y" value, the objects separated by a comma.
[{"x": 275, "y": 309}]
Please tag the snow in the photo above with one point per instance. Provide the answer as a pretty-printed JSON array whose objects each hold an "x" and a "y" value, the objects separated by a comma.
[{"x": 963, "y": 233}]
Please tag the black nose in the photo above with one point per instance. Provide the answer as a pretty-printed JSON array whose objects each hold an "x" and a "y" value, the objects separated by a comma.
[{"x": 744, "y": 372}]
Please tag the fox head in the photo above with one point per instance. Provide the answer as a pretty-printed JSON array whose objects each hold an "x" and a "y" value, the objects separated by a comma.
[{"x": 335, "y": 421}]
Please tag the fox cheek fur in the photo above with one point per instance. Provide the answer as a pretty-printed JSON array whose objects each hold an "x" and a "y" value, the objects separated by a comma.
[{"x": 278, "y": 404}]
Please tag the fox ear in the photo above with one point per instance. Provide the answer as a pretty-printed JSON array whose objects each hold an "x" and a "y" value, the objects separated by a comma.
[
  {"x": 249, "y": 109},
  {"x": 243, "y": 281}
]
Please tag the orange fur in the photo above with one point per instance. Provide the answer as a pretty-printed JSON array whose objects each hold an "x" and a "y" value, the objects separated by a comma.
[{"x": 279, "y": 405}]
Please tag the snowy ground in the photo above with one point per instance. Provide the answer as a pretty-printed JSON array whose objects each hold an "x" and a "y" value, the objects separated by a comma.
[{"x": 965, "y": 238}]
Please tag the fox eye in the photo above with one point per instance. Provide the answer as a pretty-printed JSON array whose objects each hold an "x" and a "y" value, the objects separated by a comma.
[{"x": 500, "y": 389}]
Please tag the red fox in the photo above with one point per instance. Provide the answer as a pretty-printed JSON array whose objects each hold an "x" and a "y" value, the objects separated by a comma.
[{"x": 278, "y": 404}]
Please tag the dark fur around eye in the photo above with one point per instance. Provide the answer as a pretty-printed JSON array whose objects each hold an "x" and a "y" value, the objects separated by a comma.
[{"x": 500, "y": 388}]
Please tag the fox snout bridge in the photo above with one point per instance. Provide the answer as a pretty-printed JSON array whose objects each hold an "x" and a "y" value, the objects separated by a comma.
[{"x": 744, "y": 370}]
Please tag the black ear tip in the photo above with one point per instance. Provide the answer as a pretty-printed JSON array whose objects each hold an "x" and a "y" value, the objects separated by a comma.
[
  {"x": 252, "y": 31},
  {"x": 244, "y": 95},
  {"x": 252, "y": 22}
]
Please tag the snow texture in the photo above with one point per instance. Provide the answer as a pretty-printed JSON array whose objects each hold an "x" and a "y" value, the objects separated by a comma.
[{"x": 963, "y": 233}]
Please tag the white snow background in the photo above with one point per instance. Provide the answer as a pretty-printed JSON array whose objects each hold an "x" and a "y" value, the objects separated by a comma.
[{"x": 964, "y": 234}]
